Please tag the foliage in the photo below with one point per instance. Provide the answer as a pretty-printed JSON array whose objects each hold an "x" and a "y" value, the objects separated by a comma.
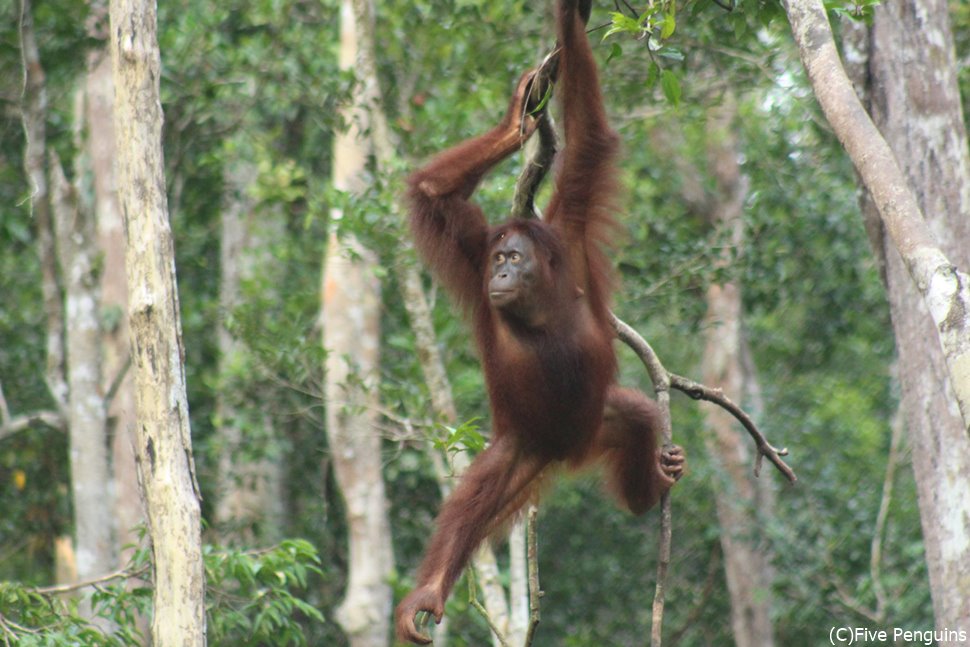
[
  {"x": 33, "y": 619},
  {"x": 252, "y": 599}
]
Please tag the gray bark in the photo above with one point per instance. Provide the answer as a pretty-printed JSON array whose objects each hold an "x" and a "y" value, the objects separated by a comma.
[
  {"x": 943, "y": 286},
  {"x": 351, "y": 319},
  {"x": 93, "y": 513},
  {"x": 905, "y": 67}
]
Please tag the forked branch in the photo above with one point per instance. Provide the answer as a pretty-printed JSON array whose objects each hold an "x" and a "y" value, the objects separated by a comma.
[{"x": 697, "y": 391}]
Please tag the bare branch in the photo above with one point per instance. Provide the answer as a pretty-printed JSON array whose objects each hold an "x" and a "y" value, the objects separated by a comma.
[
  {"x": 478, "y": 606},
  {"x": 116, "y": 382},
  {"x": 661, "y": 385},
  {"x": 875, "y": 550},
  {"x": 16, "y": 424},
  {"x": 700, "y": 392},
  {"x": 4, "y": 409},
  {"x": 535, "y": 593},
  {"x": 660, "y": 376},
  {"x": 123, "y": 573},
  {"x": 10, "y": 424}
]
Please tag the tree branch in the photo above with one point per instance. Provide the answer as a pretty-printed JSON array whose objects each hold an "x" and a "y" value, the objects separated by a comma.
[
  {"x": 659, "y": 375},
  {"x": 535, "y": 593},
  {"x": 944, "y": 288},
  {"x": 478, "y": 606},
  {"x": 123, "y": 573},
  {"x": 17, "y": 424},
  {"x": 10, "y": 424}
]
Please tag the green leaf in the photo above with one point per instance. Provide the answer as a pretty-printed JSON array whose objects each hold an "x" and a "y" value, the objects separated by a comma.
[
  {"x": 615, "y": 52},
  {"x": 671, "y": 87},
  {"x": 669, "y": 22},
  {"x": 653, "y": 75},
  {"x": 671, "y": 53},
  {"x": 545, "y": 100},
  {"x": 622, "y": 24}
]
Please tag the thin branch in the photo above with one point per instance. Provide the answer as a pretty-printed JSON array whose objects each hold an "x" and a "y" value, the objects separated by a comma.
[
  {"x": 11, "y": 629},
  {"x": 4, "y": 409},
  {"x": 765, "y": 449},
  {"x": 663, "y": 565},
  {"x": 727, "y": 6},
  {"x": 535, "y": 593},
  {"x": 16, "y": 424},
  {"x": 123, "y": 573},
  {"x": 661, "y": 384},
  {"x": 116, "y": 382},
  {"x": 478, "y": 606},
  {"x": 698, "y": 391},
  {"x": 630, "y": 8},
  {"x": 875, "y": 550}
]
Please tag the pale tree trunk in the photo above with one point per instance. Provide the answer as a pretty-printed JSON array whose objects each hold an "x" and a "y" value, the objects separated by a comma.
[
  {"x": 35, "y": 165},
  {"x": 906, "y": 69},
  {"x": 747, "y": 565},
  {"x": 69, "y": 238},
  {"x": 250, "y": 490},
  {"x": 351, "y": 319},
  {"x": 99, "y": 181},
  {"x": 117, "y": 379},
  {"x": 163, "y": 441},
  {"x": 943, "y": 286},
  {"x": 96, "y": 552},
  {"x": 34, "y": 115},
  {"x": 519, "y": 618},
  {"x": 99, "y": 195},
  {"x": 484, "y": 560},
  {"x": 351, "y": 337}
]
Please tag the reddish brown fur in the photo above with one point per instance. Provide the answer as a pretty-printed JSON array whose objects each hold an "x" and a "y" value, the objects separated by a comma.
[{"x": 551, "y": 386}]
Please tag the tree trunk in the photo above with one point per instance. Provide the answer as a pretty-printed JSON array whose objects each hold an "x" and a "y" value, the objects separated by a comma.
[
  {"x": 35, "y": 166},
  {"x": 746, "y": 563},
  {"x": 905, "y": 67},
  {"x": 250, "y": 499},
  {"x": 95, "y": 550},
  {"x": 944, "y": 288},
  {"x": 351, "y": 336},
  {"x": 163, "y": 441},
  {"x": 432, "y": 366},
  {"x": 351, "y": 319},
  {"x": 98, "y": 148}
]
